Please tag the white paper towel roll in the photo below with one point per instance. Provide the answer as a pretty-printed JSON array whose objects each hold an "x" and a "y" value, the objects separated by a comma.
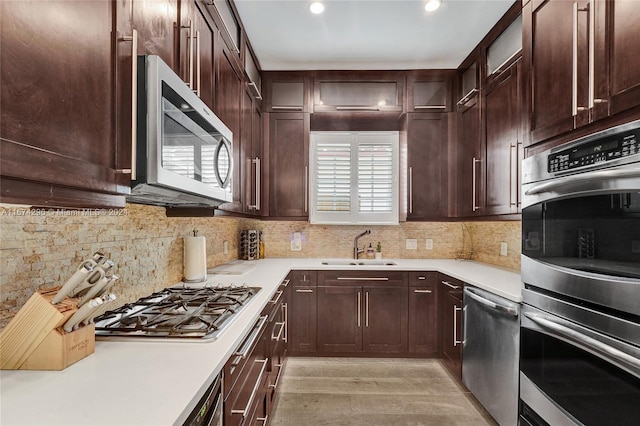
[{"x": 195, "y": 259}]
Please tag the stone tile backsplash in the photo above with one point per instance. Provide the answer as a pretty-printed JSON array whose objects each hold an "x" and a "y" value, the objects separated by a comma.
[{"x": 42, "y": 249}]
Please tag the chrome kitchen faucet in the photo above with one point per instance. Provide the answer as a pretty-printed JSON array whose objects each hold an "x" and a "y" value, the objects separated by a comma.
[{"x": 356, "y": 250}]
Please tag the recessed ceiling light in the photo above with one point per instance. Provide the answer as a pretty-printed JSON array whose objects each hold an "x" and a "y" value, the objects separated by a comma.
[
  {"x": 432, "y": 5},
  {"x": 316, "y": 7}
]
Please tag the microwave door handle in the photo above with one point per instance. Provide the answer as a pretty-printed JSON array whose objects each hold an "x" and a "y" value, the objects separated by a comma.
[
  {"x": 556, "y": 185},
  {"x": 585, "y": 341}
]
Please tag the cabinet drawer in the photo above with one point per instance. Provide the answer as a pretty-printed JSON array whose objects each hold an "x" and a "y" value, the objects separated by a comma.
[
  {"x": 451, "y": 286},
  {"x": 369, "y": 278},
  {"x": 423, "y": 278},
  {"x": 239, "y": 365}
]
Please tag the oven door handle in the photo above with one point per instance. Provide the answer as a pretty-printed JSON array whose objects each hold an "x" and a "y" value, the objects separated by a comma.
[
  {"x": 583, "y": 340},
  {"x": 507, "y": 310},
  {"x": 583, "y": 178}
]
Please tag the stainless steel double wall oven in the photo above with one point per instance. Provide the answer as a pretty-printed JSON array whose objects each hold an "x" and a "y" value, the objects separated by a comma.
[{"x": 580, "y": 323}]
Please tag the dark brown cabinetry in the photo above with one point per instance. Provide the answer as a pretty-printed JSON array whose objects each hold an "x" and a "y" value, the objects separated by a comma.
[
  {"x": 246, "y": 378},
  {"x": 427, "y": 145},
  {"x": 303, "y": 316},
  {"x": 451, "y": 317},
  {"x": 470, "y": 164},
  {"x": 423, "y": 319},
  {"x": 251, "y": 144},
  {"x": 196, "y": 51},
  {"x": 358, "y": 91},
  {"x": 582, "y": 63},
  {"x": 503, "y": 143},
  {"x": 429, "y": 91},
  {"x": 288, "y": 172},
  {"x": 228, "y": 101},
  {"x": 277, "y": 336},
  {"x": 367, "y": 311},
  {"x": 59, "y": 132},
  {"x": 287, "y": 91}
]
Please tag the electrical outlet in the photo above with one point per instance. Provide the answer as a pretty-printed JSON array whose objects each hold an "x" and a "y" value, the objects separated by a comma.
[
  {"x": 503, "y": 249},
  {"x": 411, "y": 244},
  {"x": 429, "y": 244},
  {"x": 296, "y": 242},
  {"x": 225, "y": 247}
]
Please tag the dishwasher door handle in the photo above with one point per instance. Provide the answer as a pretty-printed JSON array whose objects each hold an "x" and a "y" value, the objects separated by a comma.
[{"x": 507, "y": 310}]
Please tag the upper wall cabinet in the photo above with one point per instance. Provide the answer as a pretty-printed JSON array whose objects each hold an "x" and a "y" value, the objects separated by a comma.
[
  {"x": 583, "y": 63},
  {"x": 504, "y": 50},
  {"x": 358, "y": 91},
  {"x": 61, "y": 132},
  {"x": 429, "y": 91},
  {"x": 196, "y": 50},
  {"x": 287, "y": 91}
]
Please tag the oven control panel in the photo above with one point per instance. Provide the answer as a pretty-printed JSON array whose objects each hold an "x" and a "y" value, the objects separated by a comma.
[{"x": 595, "y": 152}]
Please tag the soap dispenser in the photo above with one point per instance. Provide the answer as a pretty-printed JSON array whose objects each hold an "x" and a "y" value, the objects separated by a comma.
[{"x": 370, "y": 251}]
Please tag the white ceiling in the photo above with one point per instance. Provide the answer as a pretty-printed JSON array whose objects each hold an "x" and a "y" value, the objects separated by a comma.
[{"x": 366, "y": 34}]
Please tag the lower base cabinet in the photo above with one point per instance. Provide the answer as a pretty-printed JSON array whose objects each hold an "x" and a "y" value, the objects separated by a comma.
[
  {"x": 451, "y": 317},
  {"x": 246, "y": 379},
  {"x": 302, "y": 308},
  {"x": 423, "y": 318},
  {"x": 362, "y": 311}
]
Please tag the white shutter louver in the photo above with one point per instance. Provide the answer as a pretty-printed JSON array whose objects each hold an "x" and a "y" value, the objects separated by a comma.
[{"x": 354, "y": 177}]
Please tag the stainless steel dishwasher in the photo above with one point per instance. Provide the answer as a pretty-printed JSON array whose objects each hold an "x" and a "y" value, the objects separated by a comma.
[{"x": 490, "y": 352}]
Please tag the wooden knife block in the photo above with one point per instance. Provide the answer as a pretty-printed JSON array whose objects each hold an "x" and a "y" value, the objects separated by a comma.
[{"x": 35, "y": 340}]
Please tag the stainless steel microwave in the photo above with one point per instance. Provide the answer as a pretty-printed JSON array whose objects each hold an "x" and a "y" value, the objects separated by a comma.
[{"x": 183, "y": 151}]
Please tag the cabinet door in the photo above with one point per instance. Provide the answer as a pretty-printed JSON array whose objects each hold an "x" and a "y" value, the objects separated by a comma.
[
  {"x": 470, "y": 163},
  {"x": 196, "y": 51},
  {"x": 451, "y": 326},
  {"x": 302, "y": 323},
  {"x": 502, "y": 115},
  {"x": 384, "y": 319},
  {"x": 624, "y": 60},
  {"x": 288, "y": 164},
  {"x": 156, "y": 21},
  {"x": 287, "y": 91},
  {"x": 228, "y": 108},
  {"x": 58, "y": 100},
  {"x": 427, "y": 165},
  {"x": 341, "y": 319},
  {"x": 549, "y": 27},
  {"x": 423, "y": 319}
]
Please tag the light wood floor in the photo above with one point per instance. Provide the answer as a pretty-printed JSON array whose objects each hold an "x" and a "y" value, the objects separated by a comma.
[{"x": 361, "y": 391}]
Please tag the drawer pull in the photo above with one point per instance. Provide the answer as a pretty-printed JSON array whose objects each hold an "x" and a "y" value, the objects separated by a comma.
[
  {"x": 255, "y": 389},
  {"x": 422, "y": 291},
  {"x": 364, "y": 278},
  {"x": 275, "y": 336},
  {"x": 304, "y": 290},
  {"x": 422, "y": 278},
  {"x": 251, "y": 339},
  {"x": 277, "y": 298},
  {"x": 448, "y": 284}
]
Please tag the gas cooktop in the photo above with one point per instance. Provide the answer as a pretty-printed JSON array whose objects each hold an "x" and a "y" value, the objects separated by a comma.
[{"x": 177, "y": 312}]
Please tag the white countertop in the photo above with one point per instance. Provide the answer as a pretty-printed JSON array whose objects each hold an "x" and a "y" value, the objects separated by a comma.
[{"x": 159, "y": 383}]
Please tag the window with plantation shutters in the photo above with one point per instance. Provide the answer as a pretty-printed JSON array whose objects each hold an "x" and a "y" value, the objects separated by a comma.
[{"x": 354, "y": 177}]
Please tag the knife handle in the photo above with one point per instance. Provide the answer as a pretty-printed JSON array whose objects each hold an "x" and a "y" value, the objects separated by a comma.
[
  {"x": 107, "y": 302},
  {"x": 84, "y": 311},
  {"x": 90, "y": 281},
  {"x": 78, "y": 277},
  {"x": 94, "y": 290}
]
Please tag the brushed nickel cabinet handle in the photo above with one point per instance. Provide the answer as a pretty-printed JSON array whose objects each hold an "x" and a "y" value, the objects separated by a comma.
[
  {"x": 438, "y": 107},
  {"x": 286, "y": 108},
  {"x": 366, "y": 309},
  {"x": 306, "y": 189},
  {"x": 285, "y": 312},
  {"x": 474, "y": 205},
  {"x": 304, "y": 290},
  {"x": 363, "y": 278},
  {"x": 422, "y": 291},
  {"x": 359, "y": 307},
  {"x": 258, "y": 184},
  {"x": 456, "y": 342},
  {"x": 574, "y": 77},
  {"x": 134, "y": 104},
  {"x": 448, "y": 284},
  {"x": 410, "y": 189},
  {"x": 198, "y": 64}
]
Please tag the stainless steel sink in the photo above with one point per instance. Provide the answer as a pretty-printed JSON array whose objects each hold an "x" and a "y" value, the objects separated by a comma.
[{"x": 358, "y": 263}]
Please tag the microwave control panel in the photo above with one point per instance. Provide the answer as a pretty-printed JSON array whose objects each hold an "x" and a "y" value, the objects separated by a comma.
[{"x": 595, "y": 152}]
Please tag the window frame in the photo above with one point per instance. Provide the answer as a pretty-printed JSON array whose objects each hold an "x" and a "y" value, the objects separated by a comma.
[{"x": 354, "y": 216}]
